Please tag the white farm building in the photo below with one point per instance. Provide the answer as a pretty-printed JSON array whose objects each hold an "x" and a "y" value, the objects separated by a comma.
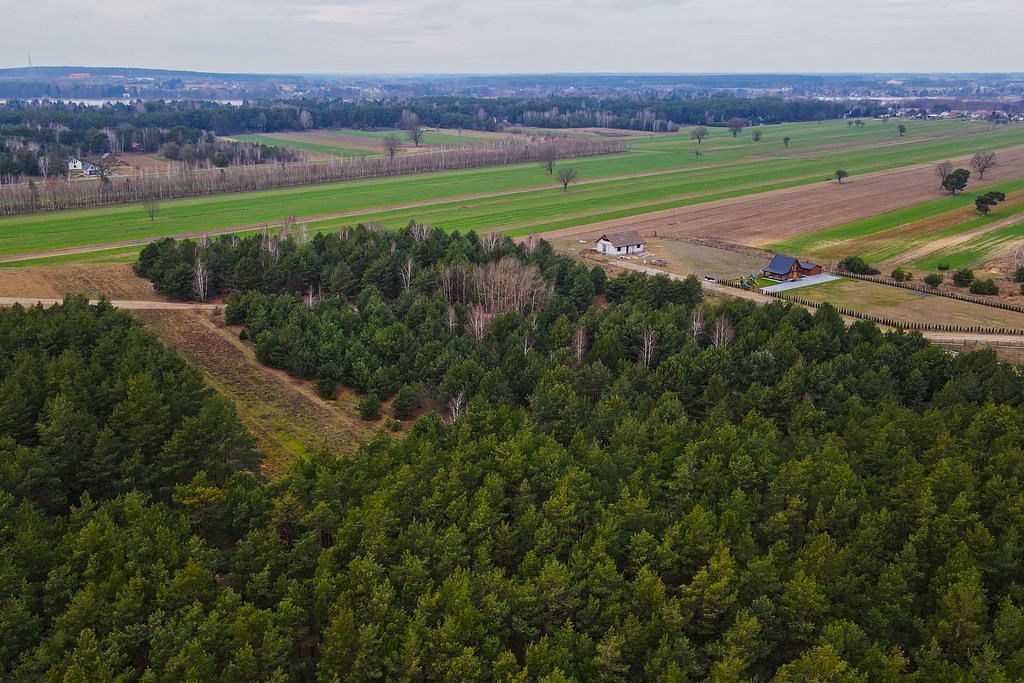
[{"x": 619, "y": 243}]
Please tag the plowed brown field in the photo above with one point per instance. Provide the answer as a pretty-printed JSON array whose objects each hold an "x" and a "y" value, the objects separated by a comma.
[{"x": 774, "y": 216}]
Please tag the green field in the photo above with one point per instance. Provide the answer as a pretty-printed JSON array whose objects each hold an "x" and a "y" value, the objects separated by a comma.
[
  {"x": 431, "y": 136},
  {"x": 307, "y": 145},
  {"x": 675, "y": 177}
]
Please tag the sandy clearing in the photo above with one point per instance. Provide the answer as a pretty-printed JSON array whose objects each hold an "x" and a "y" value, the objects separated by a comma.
[{"x": 768, "y": 217}]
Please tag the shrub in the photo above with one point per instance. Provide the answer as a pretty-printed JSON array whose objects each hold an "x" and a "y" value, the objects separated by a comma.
[
  {"x": 984, "y": 287},
  {"x": 963, "y": 277},
  {"x": 369, "y": 407},
  {"x": 405, "y": 403},
  {"x": 933, "y": 279},
  {"x": 243, "y": 335},
  {"x": 1022, "y": 289},
  {"x": 1019, "y": 275},
  {"x": 326, "y": 387},
  {"x": 900, "y": 275},
  {"x": 943, "y": 266},
  {"x": 857, "y": 266}
]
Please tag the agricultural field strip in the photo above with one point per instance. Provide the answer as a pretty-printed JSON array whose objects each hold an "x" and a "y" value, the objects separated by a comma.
[
  {"x": 333, "y": 150},
  {"x": 973, "y": 251},
  {"x": 834, "y": 240},
  {"x": 214, "y": 212},
  {"x": 943, "y": 241}
]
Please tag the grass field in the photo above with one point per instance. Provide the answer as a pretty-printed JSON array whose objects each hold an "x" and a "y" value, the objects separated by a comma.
[
  {"x": 908, "y": 305},
  {"x": 663, "y": 172},
  {"x": 432, "y": 137},
  {"x": 306, "y": 145}
]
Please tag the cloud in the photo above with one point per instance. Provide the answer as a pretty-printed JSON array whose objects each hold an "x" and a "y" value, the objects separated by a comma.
[{"x": 366, "y": 36}]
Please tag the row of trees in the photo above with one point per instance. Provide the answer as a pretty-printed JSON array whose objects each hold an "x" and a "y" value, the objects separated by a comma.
[
  {"x": 664, "y": 489},
  {"x": 185, "y": 182},
  {"x": 654, "y": 113}
]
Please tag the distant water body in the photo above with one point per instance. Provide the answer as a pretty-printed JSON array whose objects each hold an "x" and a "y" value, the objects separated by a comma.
[{"x": 100, "y": 103}]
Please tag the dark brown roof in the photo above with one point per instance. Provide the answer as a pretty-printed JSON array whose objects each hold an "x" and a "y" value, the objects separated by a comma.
[{"x": 624, "y": 238}]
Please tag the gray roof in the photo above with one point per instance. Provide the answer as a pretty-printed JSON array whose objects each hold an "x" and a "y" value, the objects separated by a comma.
[
  {"x": 624, "y": 238},
  {"x": 782, "y": 264}
]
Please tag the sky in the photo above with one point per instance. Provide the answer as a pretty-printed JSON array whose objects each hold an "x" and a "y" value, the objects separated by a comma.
[{"x": 518, "y": 36}]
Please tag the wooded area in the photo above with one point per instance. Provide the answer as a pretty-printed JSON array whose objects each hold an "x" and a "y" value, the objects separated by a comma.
[{"x": 652, "y": 488}]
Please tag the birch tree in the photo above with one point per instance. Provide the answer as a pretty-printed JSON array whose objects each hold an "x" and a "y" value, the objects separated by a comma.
[{"x": 200, "y": 279}]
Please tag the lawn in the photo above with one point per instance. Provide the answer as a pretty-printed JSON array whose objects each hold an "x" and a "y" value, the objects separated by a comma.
[{"x": 674, "y": 177}]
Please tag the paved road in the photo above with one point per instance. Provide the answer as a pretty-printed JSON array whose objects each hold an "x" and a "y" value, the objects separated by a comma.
[{"x": 122, "y": 303}]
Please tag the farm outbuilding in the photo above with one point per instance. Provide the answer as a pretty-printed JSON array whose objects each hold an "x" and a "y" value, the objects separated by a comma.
[
  {"x": 82, "y": 166},
  {"x": 619, "y": 243},
  {"x": 783, "y": 267}
]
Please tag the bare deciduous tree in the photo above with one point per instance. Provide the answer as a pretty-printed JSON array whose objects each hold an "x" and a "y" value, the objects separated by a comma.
[
  {"x": 943, "y": 169},
  {"x": 311, "y": 299},
  {"x": 722, "y": 333},
  {"x": 490, "y": 242},
  {"x": 786, "y": 140},
  {"x": 756, "y": 136},
  {"x": 286, "y": 227},
  {"x": 151, "y": 206},
  {"x": 305, "y": 120},
  {"x": 579, "y": 344},
  {"x": 479, "y": 322},
  {"x": 699, "y": 133},
  {"x": 453, "y": 320},
  {"x": 565, "y": 176},
  {"x": 648, "y": 345},
  {"x": 405, "y": 273},
  {"x": 983, "y": 161},
  {"x": 697, "y": 323},
  {"x": 456, "y": 405},
  {"x": 735, "y": 125},
  {"x": 531, "y": 243},
  {"x": 391, "y": 144},
  {"x": 454, "y": 282},
  {"x": 200, "y": 279},
  {"x": 420, "y": 232},
  {"x": 548, "y": 157},
  {"x": 509, "y": 285},
  {"x": 410, "y": 123},
  {"x": 105, "y": 167}
]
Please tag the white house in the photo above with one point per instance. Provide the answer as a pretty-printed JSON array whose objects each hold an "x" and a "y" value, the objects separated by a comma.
[
  {"x": 82, "y": 166},
  {"x": 617, "y": 243}
]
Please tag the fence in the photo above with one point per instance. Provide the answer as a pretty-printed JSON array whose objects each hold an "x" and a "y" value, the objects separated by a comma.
[
  {"x": 934, "y": 292},
  {"x": 725, "y": 246},
  {"x": 888, "y": 322}
]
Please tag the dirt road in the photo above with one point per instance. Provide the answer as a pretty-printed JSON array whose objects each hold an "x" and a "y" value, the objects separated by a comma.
[{"x": 136, "y": 305}]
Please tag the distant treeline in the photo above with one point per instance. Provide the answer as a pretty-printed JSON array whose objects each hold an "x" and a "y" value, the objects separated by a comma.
[{"x": 147, "y": 125}]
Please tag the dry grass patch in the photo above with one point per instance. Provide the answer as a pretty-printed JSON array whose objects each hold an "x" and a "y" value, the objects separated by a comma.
[{"x": 284, "y": 414}]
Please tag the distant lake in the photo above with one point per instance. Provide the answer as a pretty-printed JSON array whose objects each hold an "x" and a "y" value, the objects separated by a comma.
[{"x": 100, "y": 103}]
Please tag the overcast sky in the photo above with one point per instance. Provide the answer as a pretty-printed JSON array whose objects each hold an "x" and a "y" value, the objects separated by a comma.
[{"x": 504, "y": 36}]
